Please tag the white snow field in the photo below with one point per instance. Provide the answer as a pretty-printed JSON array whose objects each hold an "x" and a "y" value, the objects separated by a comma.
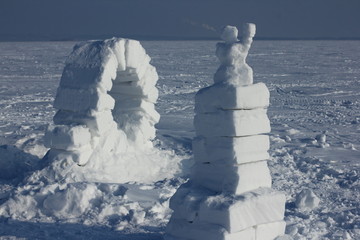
[{"x": 314, "y": 142}]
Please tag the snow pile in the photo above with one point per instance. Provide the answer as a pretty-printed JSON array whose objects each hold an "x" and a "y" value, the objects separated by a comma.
[
  {"x": 229, "y": 195},
  {"x": 102, "y": 139}
]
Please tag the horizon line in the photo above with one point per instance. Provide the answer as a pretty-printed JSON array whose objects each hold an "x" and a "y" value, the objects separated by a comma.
[{"x": 165, "y": 38}]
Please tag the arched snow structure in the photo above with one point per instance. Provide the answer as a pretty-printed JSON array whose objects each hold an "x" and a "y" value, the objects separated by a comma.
[{"x": 105, "y": 102}]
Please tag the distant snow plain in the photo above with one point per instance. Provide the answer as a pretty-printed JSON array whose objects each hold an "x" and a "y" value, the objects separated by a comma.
[{"x": 315, "y": 138}]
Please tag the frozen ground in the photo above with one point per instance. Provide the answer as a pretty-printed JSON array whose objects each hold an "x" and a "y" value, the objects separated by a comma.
[{"x": 315, "y": 115}]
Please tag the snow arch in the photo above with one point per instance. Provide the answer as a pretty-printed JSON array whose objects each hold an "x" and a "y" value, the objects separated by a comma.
[{"x": 105, "y": 102}]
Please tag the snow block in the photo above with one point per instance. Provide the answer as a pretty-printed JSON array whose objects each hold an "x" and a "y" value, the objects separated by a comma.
[
  {"x": 97, "y": 122},
  {"x": 231, "y": 150},
  {"x": 181, "y": 229},
  {"x": 135, "y": 54},
  {"x": 83, "y": 100},
  {"x": 67, "y": 137},
  {"x": 186, "y": 201},
  {"x": 232, "y": 179},
  {"x": 232, "y": 123},
  {"x": 229, "y": 97},
  {"x": 270, "y": 231},
  {"x": 91, "y": 65},
  {"x": 145, "y": 109},
  {"x": 237, "y": 213},
  {"x": 148, "y": 91},
  {"x": 143, "y": 75}
]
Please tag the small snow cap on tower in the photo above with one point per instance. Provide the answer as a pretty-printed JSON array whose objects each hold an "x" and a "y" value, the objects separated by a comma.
[
  {"x": 249, "y": 30},
  {"x": 229, "y": 34}
]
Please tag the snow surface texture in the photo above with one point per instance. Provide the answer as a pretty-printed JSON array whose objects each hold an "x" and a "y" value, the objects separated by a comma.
[
  {"x": 229, "y": 194},
  {"x": 314, "y": 91}
]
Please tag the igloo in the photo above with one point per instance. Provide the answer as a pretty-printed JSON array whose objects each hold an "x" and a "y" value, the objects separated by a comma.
[
  {"x": 229, "y": 194},
  {"x": 105, "y": 107}
]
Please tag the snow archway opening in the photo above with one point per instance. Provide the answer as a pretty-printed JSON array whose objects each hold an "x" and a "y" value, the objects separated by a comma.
[{"x": 106, "y": 116}]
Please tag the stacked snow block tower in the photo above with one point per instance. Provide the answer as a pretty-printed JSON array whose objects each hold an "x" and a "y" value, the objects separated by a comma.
[
  {"x": 229, "y": 195},
  {"x": 105, "y": 103}
]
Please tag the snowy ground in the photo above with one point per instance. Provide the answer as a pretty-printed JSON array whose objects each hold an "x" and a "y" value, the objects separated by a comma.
[{"x": 315, "y": 92}]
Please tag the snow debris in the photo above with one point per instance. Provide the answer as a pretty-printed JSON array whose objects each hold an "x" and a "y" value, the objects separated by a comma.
[{"x": 306, "y": 200}]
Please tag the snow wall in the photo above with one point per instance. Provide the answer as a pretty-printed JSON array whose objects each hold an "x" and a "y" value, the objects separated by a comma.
[{"x": 229, "y": 195}]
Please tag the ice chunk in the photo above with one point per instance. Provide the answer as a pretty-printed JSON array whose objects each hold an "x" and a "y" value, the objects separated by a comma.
[
  {"x": 270, "y": 231},
  {"x": 306, "y": 200},
  {"x": 232, "y": 123},
  {"x": 237, "y": 213},
  {"x": 178, "y": 229},
  {"x": 229, "y": 34},
  {"x": 231, "y": 150},
  {"x": 83, "y": 100},
  {"x": 230, "y": 97},
  {"x": 233, "y": 179},
  {"x": 67, "y": 137}
]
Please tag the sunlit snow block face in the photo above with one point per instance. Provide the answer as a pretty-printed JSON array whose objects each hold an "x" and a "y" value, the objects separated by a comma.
[
  {"x": 231, "y": 150},
  {"x": 147, "y": 92},
  {"x": 136, "y": 107},
  {"x": 135, "y": 55},
  {"x": 178, "y": 229},
  {"x": 232, "y": 179},
  {"x": 236, "y": 213},
  {"x": 232, "y": 123},
  {"x": 83, "y": 100},
  {"x": 93, "y": 64},
  {"x": 230, "y": 97},
  {"x": 97, "y": 122},
  {"x": 269, "y": 231},
  {"x": 67, "y": 137}
]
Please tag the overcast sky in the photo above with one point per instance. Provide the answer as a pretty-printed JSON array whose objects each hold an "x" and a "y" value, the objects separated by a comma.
[{"x": 176, "y": 19}]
